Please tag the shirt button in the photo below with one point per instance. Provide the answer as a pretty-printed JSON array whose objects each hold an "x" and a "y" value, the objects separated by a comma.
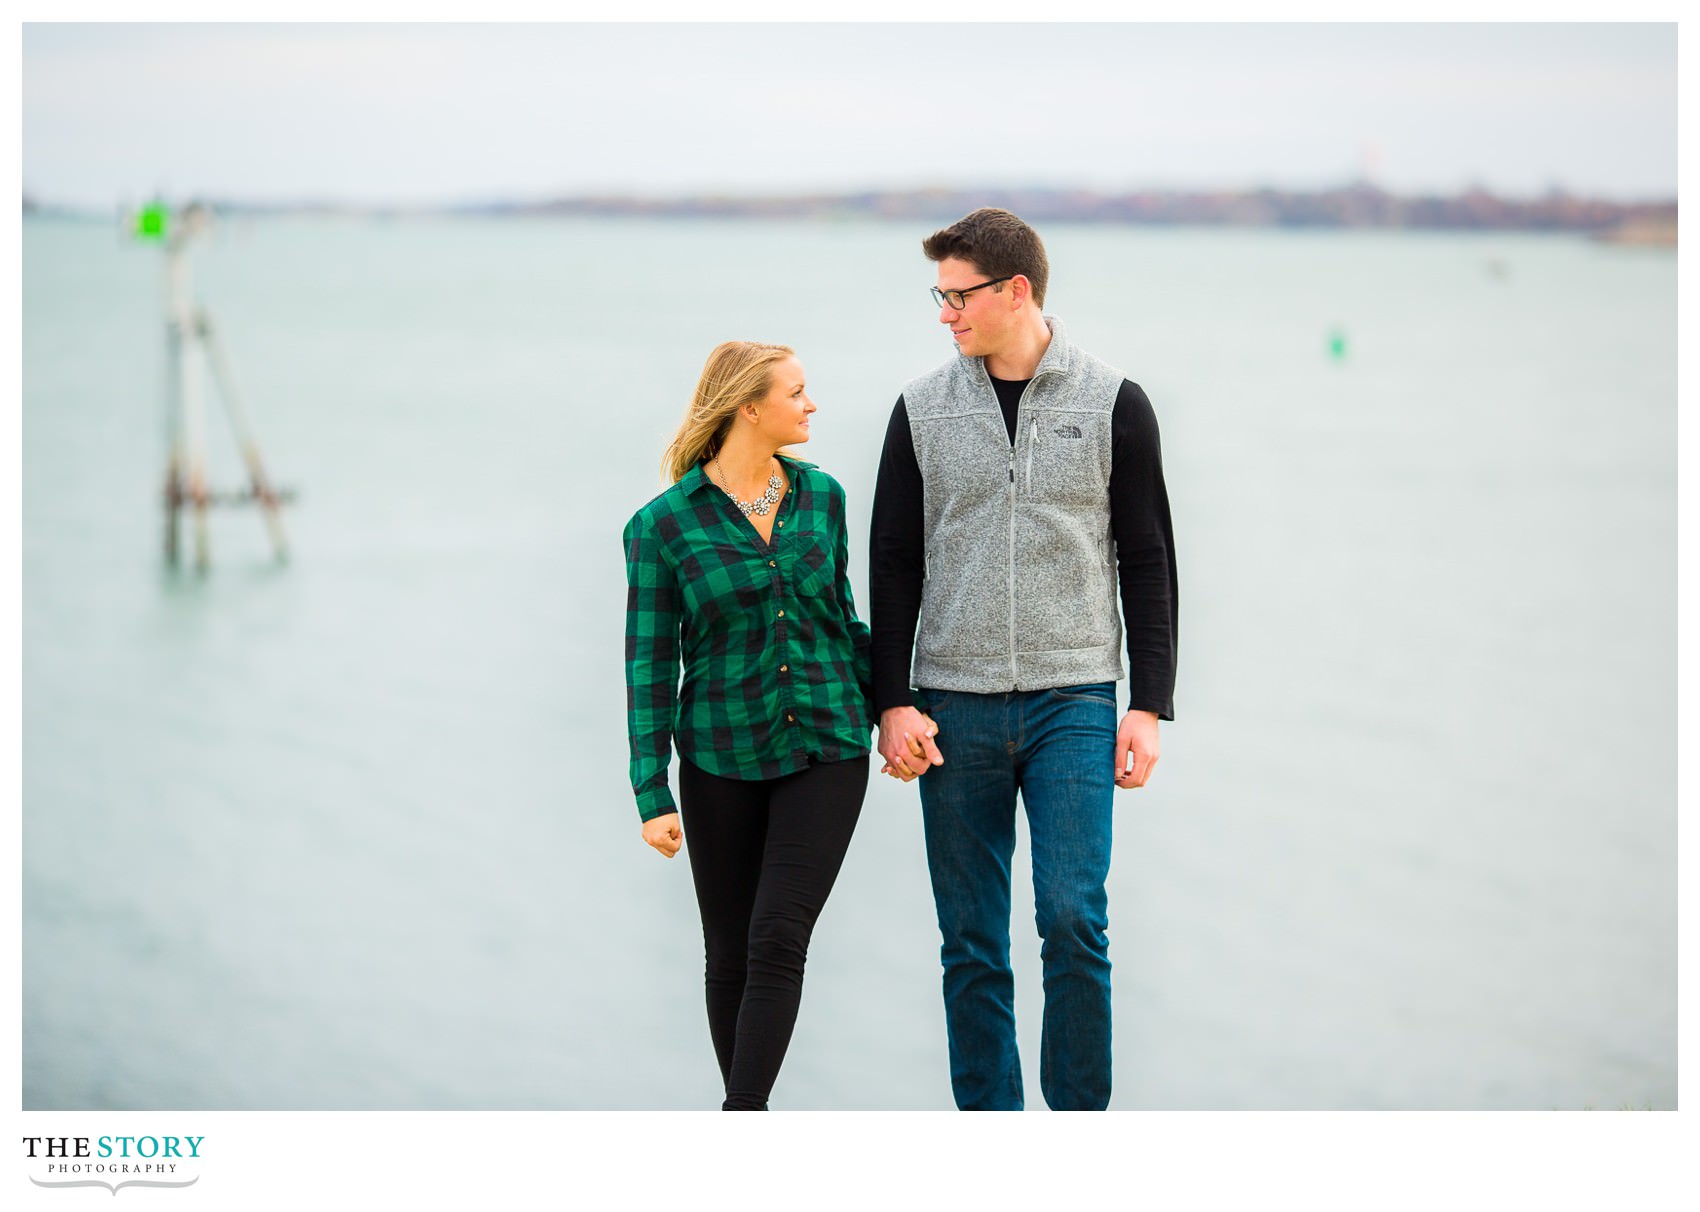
[
  {"x": 789, "y": 718},
  {"x": 772, "y": 564},
  {"x": 781, "y": 614},
  {"x": 785, "y": 669},
  {"x": 781, "y": 523}
]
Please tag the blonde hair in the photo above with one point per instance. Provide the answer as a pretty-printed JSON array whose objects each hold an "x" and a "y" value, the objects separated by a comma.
[{"x": 736, "y": 373}]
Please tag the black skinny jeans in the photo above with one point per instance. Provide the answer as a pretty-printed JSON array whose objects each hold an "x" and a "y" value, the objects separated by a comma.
[{"x": 764, "y": 855}]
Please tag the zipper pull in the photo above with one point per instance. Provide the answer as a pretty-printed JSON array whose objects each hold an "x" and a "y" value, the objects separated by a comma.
[{"x": 1012, "y": 464}]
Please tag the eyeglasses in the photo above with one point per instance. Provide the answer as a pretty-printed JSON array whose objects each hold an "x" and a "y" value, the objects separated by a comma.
[{"x": 955, "y": 299}]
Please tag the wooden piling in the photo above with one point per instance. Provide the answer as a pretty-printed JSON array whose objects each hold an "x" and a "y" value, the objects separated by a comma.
[{"x": 189, "y": 330}]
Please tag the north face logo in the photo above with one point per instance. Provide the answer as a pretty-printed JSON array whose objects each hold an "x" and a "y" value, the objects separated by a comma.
[{"x": 1068, "y": 431}]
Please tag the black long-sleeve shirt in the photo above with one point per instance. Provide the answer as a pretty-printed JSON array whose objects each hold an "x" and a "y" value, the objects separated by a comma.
[{"x": 1139, "y": 523}]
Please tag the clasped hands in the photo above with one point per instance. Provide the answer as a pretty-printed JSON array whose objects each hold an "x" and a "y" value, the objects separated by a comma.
[{"x": 906, "y": 743}]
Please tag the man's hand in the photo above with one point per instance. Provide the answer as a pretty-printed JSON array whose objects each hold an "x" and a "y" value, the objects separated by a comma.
[
  {"x": 663, "y": 833},
  {"x": 1136, "y": 748},
  {"x": 906, "y": 743}
]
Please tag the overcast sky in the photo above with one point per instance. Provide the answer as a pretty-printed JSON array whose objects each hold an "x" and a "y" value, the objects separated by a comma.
[{"x": 442, "y": 113}]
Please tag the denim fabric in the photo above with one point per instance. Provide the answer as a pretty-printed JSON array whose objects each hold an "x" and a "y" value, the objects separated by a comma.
[{"x": 1057, "y": 748}]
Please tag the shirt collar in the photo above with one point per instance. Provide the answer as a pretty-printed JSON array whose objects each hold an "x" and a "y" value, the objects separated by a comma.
[
  {"x": 695, "y": 478},
  {"x": 698, "y": 477}
]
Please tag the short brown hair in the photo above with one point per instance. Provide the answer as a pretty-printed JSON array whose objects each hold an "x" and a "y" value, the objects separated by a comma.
[{"x": 996, "y": 243}]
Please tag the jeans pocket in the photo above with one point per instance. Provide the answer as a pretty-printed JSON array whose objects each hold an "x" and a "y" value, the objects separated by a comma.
[
  {"x": 1100, "y": 692},
  {"x": 929, "y": 702}
]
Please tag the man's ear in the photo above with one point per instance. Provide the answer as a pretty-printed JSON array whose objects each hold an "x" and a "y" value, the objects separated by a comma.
[{"x": 1020, "y": 290}]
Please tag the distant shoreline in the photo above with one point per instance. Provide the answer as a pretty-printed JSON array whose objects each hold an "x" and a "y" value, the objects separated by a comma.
[{"x": 1359, "y": 206}]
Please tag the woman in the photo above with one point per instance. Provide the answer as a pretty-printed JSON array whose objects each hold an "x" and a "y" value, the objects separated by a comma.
[{"x": 740, "y": 570}]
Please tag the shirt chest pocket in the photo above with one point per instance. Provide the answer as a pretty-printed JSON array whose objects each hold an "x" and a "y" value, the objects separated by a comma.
[{"x": 812, "y": 571}]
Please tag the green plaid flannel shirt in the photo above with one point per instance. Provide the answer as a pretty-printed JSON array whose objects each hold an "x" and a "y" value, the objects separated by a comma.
[{"x": 777, "y": 665}]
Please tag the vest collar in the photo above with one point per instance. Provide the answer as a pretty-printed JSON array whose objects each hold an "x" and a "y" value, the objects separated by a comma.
[{"x": 1058, "y": 357}]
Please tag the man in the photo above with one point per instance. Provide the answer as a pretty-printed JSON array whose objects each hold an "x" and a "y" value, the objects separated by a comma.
[{"x": 1021, "y": 483}]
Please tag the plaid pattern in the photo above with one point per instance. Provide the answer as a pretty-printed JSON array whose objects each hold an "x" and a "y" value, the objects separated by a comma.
[{"x": 777, "y": 666}]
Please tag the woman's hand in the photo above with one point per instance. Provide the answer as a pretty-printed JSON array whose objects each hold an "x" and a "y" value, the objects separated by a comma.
[{"x": 663, "y": 833}]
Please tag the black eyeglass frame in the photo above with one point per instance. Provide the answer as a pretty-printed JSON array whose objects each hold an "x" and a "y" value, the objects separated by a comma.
[{"x": 943, "y": 297}]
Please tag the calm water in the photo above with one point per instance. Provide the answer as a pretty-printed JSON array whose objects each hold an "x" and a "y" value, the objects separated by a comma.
[{"x": 355, "y": 832}]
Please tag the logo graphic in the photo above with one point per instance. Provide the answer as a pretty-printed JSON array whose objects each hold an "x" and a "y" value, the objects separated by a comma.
[
  {"x": 1068, "y": 431},
  {"x": 129, "y": 1182},
  {"x": 114, "y": 1162}
]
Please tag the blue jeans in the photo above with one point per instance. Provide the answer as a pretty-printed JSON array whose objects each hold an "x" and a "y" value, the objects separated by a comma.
[{"x": 1057, "y": 747}]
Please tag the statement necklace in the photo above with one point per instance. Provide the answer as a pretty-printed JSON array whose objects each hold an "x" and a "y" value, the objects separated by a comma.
[{"x": 761, "y": 504}]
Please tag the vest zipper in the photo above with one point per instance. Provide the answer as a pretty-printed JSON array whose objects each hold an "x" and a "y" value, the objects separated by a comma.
[
  {"x": 1014, "y": 680},
  {"x": 1034, "y": 431}
]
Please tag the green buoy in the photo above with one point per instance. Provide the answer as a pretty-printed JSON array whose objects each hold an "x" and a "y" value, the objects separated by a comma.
[{"x": 151, "y": 222}]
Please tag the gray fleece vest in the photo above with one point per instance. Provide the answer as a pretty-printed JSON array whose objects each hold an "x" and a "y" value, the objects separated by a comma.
[{"x": 1020, "y": 585}]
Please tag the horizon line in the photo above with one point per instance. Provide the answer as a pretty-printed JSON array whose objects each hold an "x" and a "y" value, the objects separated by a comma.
[{"x": 528, "y": 199}]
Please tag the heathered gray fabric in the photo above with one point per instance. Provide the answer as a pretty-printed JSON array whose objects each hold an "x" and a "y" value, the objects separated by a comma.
[{"x": 1020, "y": 584}]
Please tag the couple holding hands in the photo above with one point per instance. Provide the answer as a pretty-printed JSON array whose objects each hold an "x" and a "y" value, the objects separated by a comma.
[{"x": 1020, "y": 493}]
